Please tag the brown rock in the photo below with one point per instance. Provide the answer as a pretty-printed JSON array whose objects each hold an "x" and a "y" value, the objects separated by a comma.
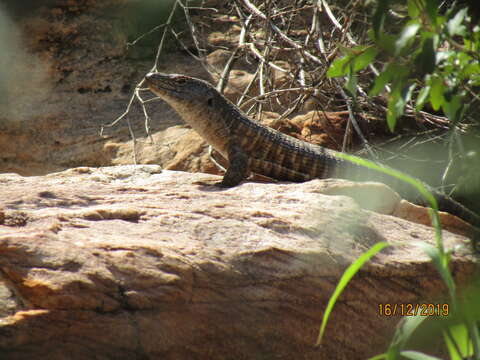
[
  {"x": 323, "y": 127},
  {"x": 420, "y": 215},
  {"x": 372, "y": 196},
  {"x": 67, "y": 72},
  {"x": 133, "y": 262}
]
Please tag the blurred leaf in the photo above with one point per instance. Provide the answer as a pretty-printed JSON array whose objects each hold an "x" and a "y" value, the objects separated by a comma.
[
  {"x": 379, "y": 357},
  {"x": 391, "y": 71},
  {"x": 403, "y": 332},
  {"x": 350, "y": 51},
  {"x": 406, "y": 96},
  {"x": 444, "y": 56},
  {"x": 432, "y": 11},
  {"x": 379, "y": 16},
  {"x": 415, "y": 355},
  {"x": 422, "y": 97},
  {"x": 415, "y": 7},
  {"x": 461, "y": 341},
  {"x": 356, "y": 59},
  {"x": 452, "y": 107},
  {"x": 351, "y": 85},
  {"x": 425, "y": 60},
  {"x": 406, "y": 36},
  {"x": 455, "y": 26},
  {"x": 440, "y": 261},
  {"x": 387, "y": 42},
  {"x": 340, "y": 67},
  {"x": 392, "y": 111},
  {"x": 344, "y": 280},
  {"x": 397, "y": 101},
  {"x": 471, "y": 69},
  {"x": 383, "y": 79},
  {"x": 436, "y": 93},
  {"x": 365, "y": 58}
]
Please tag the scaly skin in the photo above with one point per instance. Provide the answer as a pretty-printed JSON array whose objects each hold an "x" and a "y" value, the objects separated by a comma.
[{"x": 254, "y": 148}]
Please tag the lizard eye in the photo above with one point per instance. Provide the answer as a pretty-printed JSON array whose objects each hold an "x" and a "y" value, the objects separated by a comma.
[{"x": 210, "y": 101}]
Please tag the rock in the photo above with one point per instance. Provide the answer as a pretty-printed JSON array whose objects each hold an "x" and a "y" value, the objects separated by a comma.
[
  {"x": 133, "y": 262},
  {"x": 68, "y": 71},
  {"x": 322, "y": 128}
]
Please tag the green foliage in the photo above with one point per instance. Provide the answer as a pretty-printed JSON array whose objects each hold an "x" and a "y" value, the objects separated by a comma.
[
  {"x": 345, "y": 279},
  {"x": 459, "y": 327},
  {"x": 435, "y": 53},
  {"x": 357, "y": 59},
  {"x": 433, "y": 59},
  {"x": 415, "y": 355},
  {"x": 403, "y": 333},
  {"x": 458, "y": 335}
]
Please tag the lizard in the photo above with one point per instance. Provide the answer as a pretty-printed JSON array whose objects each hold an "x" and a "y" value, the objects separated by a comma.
[{"x": 251, "y": 147}]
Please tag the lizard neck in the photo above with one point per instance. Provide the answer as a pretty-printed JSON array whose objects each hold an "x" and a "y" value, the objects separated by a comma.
[{"x": 206, "y": 121}]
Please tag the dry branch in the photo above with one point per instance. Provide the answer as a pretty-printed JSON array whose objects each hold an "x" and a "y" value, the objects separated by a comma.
[{"x": 294, "y": 41}]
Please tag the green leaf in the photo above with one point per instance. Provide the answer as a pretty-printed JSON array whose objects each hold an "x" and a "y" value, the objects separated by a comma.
[
  {"x": 351, "y": 85},
  {"x": 397, "y": 101},
  {"x": 406, "y": 36},
  {"x": 436, "y": 93},
  {"x": 455, "y": 26},
  {"x": 383, "y": 79},
  {"x": 415, "y": 355},
  {"x": 387, "y": 43},
  {"x": 422, "y": 97},
  {"x": 461, "y": 342},
  {"x": 432, "y": 11},
  {"x": 407, "y": 327},
  {"x": 365, "y": 58},
  {"x": 392, "y": 111},
  {"x": 340, "y": 67},
  {"x": 357, "y": 58},
  {"x": 415, "y": 7},
  {"x": 407, "y": 94},
  {"x": 344, "y": 280},
  {"x": 379, "y": 16},
  {"x": 471, "y": 69},
  {"x": 379, "y": 357},
  {"x": 452, "y": 107},
  {"x": 440, "y": 261},
  {"x": 391, "y": 71},
  {"x": 426, "y": 59},
  {"x": 350, "y": 51}
]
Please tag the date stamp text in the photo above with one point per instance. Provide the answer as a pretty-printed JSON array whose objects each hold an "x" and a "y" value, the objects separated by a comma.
[{"x": 411, "y": 309}]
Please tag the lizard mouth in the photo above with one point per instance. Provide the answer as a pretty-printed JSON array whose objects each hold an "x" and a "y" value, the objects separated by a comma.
[{"x": 160, "y": 83}]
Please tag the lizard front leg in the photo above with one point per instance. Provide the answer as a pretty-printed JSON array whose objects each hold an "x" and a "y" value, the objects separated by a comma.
[{"x": 238, "y": 166}]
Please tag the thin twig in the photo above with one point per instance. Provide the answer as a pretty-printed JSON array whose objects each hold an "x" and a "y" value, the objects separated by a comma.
[
  {"x": 336, "y": 22},
  {"x": 254, "y": 10},
  {"x": 274, "y": 93},
  {"x": 139, "y": 85},
  {"x": 134, "y": 42}
]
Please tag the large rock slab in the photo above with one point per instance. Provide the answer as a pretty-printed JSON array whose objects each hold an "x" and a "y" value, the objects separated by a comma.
[{"x": 131, "y": 262}]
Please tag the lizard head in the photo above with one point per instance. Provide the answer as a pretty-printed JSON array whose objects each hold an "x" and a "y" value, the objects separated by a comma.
[
  {"x": 198, "y": 103},
  {"x": 176, "y": 87}
]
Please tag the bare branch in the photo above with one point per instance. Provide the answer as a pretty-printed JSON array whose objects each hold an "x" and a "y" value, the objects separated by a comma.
[{"x": 254, "y": 10}]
